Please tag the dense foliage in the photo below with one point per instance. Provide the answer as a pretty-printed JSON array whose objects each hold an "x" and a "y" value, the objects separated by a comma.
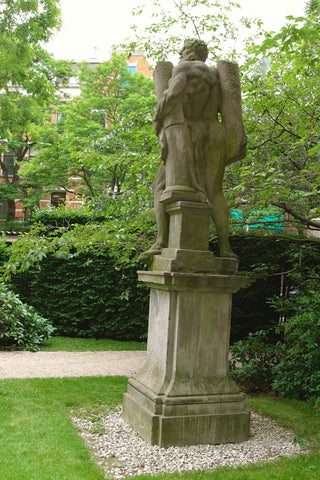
[
  {"x": 276, "y": 266},
  {"x": 286, "y": 358},
  {"x": 280, "y": 86},
  {"x": 21, "y": 327},
  {"x": 86, "y": 296},
  {"x": 60, "y": 217},
  {"x": 28, "y": 85},
  {"x": 87, "y": 288},
  {"x": 87, "y": 271},
  {"x": 104, "y": 143},
  {"x": 297, "y": 374}
]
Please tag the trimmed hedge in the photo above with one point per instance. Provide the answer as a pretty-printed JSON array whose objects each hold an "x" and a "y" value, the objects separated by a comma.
[
  {"x": 264, "y": 258},
  {"x": 85, "y": 296},
  {"x": 60, "y": 217},
  {"x": 90, "y": 296},
  {"x": 284, "y": 359}
]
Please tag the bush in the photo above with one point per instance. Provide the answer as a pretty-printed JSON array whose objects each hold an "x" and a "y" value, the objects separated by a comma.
[
  {"x": 289, "y": 366},
  {"x": 85, "y": 276},
  {"x": 253, "y": 360},
  {"x": 21, "y": 328},
  {"x": 263, "y": 258},
  {"x": 61, "y": 217},
  {"x": 297, "y": 374},
  {"x": 4, "y": 251},
  {"x": 87, "y": 296}
]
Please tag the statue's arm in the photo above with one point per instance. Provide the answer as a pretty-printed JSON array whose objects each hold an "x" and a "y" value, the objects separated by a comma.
[{"x": 168, "y": 99}]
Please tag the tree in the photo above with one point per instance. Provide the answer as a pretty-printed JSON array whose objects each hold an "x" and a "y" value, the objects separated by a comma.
[
  {"x": 313, "y": 8},
  {"x": 282, "y": 106},
  {"x": 23, "y": 25},
  {"x": 169, "y": 25},
  {"x": 105, "y": 137},
  {"x": 27, "y": 82}
]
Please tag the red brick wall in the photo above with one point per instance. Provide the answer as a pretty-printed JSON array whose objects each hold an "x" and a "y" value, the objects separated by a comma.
[{"x": 141, "y": 64}]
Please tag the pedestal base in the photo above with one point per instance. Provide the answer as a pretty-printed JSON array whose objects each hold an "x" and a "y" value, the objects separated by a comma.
[
  {"x": 187, "y": 421},
  {"x": 183, "y": 395}
]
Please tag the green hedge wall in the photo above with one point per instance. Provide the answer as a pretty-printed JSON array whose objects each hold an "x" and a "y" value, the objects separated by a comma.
[
  {"x": 85, "y": 296},
  {"x": 60, "y": 217},
  {"x": 266, "y": 257}
]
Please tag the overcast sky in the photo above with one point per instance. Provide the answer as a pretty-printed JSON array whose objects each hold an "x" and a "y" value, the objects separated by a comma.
[{"x": 91, "y": 27}]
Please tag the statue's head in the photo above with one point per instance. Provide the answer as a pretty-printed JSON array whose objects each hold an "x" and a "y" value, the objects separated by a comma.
[{"x": 194, "y": 49}]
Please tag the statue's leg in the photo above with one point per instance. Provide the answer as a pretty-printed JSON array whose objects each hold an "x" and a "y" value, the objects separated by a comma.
[
  {"x": 162, "y": 218},
  {"x": 219, "y": 206}
]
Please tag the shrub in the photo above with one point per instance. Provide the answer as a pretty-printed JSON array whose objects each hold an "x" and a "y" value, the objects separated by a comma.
[
  {"x": 21, "y": 328},
  {"x": 85, "y": 275},
  {"x": 297, "y": 374},
  {"x": 289, "y": 366},
  {"x": 253, "y": 360},
  {"x": 61, "y": 217},
  {"x": 264, "y": 258},
  {"x": 4, "y": 251}
]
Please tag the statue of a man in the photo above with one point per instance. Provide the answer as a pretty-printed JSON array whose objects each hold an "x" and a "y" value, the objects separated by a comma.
[{"x": 199, "y": 123}]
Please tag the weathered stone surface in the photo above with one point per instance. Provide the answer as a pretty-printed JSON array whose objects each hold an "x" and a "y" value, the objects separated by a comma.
[
  {"x": 183, "y": 395},
  {"x": 198, "y": 429},
  {"x": 199, "y": 124}
]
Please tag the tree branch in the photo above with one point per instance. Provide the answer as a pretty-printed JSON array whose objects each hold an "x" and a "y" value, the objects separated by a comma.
[
  {"x": 268, "y": 140},
  {"x": 277, "y": 122},
  {"x": 189, "y": 18},
  {"x": 302, "y": 219},
  {"x": 85, "y": 177}
]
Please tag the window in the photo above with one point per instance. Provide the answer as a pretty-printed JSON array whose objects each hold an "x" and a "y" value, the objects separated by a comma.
[
  {"x": 58, "y": 198},
  {"x": 59, "y": 116},
  {"x": 8, "y": 160},
  {"x": 131, "y": 68}
]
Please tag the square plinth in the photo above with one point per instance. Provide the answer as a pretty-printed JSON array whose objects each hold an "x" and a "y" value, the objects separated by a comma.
[
  {"x": 191, "y": 429},
  {"x": 183, "y": 395}
]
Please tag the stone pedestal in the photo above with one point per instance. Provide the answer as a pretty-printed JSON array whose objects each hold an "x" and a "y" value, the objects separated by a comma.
[{"x": 183, "y": 395}]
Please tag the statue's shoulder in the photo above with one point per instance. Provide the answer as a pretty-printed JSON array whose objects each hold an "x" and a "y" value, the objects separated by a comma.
[{"x": 190, "y": 67}]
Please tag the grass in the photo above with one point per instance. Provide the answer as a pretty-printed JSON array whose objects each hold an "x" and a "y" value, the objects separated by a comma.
[
  {"x": 37, "y": 438},
  {"x": 66, "y": 344},
  {"x": 39, "y": 442}
]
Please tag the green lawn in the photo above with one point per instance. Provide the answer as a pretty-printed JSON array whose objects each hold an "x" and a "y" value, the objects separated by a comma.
[
  {"x": 58, "y": 344},
  {"x": 39, "y": 442}
]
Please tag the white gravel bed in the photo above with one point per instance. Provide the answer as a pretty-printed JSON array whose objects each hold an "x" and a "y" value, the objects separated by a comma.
[{"x": 122, "y": 452}]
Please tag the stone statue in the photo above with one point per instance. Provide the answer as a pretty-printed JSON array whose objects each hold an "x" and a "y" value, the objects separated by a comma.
[
  {"x": 183, "y": 394},
  {"x": 199, "y": 124}
]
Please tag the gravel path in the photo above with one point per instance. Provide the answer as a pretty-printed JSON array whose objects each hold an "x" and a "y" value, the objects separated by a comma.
[{"x": 69, "y": 364}]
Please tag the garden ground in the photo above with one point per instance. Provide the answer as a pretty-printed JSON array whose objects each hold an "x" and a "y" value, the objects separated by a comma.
[
  {"x": 39, "y": 442},
  {"x": 69, "y": 364}
]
